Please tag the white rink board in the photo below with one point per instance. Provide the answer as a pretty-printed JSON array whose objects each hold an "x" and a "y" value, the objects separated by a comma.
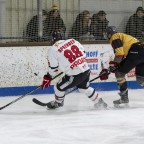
[{"x": 18, "y": 65}]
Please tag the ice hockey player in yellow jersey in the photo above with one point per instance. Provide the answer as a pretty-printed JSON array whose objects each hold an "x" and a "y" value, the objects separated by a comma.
[{"x": 129, "y": 54}]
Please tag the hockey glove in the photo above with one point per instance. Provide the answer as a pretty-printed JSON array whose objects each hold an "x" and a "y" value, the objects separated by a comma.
[
  {"x": 113, "y": 66},
  {"x": 46, "y": 81},
  {"x": 104, "y": 74}
]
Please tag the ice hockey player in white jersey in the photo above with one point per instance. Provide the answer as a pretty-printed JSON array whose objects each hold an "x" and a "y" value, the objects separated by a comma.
[{"x": 68, "y": 56}]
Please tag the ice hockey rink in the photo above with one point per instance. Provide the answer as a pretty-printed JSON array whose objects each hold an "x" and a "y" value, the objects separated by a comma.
[{"x": 76, "y": 123}]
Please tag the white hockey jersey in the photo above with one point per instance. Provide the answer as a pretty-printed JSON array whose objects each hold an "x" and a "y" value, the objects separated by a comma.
[{"x": 68, "y": 56}]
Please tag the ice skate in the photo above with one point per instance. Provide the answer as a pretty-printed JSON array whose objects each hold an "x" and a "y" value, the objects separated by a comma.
[
  {"x": 101, "y": 104},
  {"x": 123, "y": 101},
  {"x": 54, "y": 105}
]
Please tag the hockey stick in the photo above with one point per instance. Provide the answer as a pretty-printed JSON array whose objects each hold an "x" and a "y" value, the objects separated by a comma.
[
  {"x": 36, "y": 101},
  {"x": 26, "y": 94}
]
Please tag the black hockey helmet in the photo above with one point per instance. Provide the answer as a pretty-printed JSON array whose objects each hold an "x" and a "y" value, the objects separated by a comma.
[
  {"x": 110, "y": 31},
  {"x": 56, "y": 36}
]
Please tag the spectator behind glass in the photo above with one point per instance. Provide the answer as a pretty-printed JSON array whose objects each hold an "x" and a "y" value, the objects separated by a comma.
[
  {"x": 135, "y": 24},
  {"x": 54, "y": 21},
  {"x": 81, "y": 27},
  {"x": 98, "y": 25},
  {"x": 33, "y": 27}
]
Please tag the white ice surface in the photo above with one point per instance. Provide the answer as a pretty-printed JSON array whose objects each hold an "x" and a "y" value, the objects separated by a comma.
[{"x": 76, "y": 123}]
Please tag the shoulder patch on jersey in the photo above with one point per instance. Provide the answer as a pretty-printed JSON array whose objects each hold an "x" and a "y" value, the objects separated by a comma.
[{"x": 117, "y": 43}]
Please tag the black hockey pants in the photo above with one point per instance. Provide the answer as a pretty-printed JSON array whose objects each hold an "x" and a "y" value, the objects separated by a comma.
[{"x": 134, "y": 59}]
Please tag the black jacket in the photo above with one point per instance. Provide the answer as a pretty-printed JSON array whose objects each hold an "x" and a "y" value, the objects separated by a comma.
[
  {"x": 98, "y": 27},
  {"x": 135, "y": 26},
  {"x": 32, "y": 30}
]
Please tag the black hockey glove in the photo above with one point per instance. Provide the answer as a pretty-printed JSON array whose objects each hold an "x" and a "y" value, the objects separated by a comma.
[{"x": 113, "y": 66}]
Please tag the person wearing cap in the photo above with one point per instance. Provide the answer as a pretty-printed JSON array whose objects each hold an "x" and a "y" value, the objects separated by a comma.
[
  {"x": 135, "y": 24},
  {"x": 129, "y": 54},
  {"x": 33, "y": 27},
  {"x": 98, "y": 24},
  {"x": 54, "y": 7},
  {"x": 54, "y": 21}
]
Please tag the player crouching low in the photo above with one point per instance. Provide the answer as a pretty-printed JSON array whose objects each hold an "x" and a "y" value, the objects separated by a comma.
[
  {"x": 68, "y": 56},
  {"x": 129, "y": 54}
]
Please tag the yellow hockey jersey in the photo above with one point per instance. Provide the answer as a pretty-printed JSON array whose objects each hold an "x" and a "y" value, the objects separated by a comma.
[{"x": 121, "y": 43}]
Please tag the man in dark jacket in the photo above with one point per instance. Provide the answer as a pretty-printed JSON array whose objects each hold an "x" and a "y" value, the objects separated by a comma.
[
  {"x": 98, "y": 25},
  {"x": 55, "y": 22},
  {"x": 81, "y": 27},
  {"x": 33, "y": 28},
  {"x": 135, "y": 24}
]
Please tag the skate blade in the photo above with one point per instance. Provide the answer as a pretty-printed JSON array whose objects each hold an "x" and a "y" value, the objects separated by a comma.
[{"x": 121, "y": 106}]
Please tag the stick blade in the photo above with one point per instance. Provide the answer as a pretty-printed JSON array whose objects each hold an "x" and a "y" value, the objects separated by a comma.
[{"x": 36, "y": 101}]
